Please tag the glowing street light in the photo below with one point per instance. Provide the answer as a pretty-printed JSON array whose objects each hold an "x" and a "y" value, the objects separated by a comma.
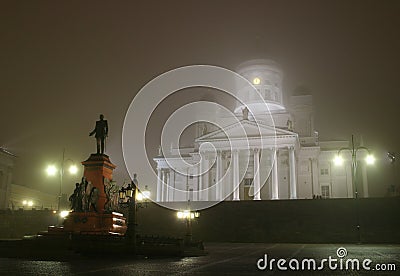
[
  {"x": 64, "y": 213},
  {"x": 52, "y": 170},
  {"x": 73, "y": 169},
  {"x": 28, "y": 203},
  {"x": 188, "y": 216},
  {"x": 143, "y": 195},
  {"x": 369, "y": 160},
  {"x": 133, "y": 198},
  {"x": 338, "y": 160}
]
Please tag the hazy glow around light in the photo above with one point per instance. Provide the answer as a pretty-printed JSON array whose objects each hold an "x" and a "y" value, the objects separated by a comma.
[
  {"x": 64, "y": 214},
  {"x": 139, "y": 196},
  {"x": 338, "y": 160},
  {"x": 186, "y": 214},
  {"x": 73, "y": 169},
  {"x": 30, "y": 203},
  {"x": 24, "y": 202},
  {"x": 51, "y": 170},
  {"x": 256, "y": 80},
  {"x": 370, "y": 159}
]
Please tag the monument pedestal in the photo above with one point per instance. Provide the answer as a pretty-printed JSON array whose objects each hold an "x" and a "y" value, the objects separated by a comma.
[
  {"x": 97, "y": 170},
  {"x": 91, "y": 223}
]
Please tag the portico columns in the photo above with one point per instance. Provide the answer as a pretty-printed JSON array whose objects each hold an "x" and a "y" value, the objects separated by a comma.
[
  {"x": 275, "y": 184},
  {"x": 292, "y": 165},
  {"x": 218, "y": 177},
  {"x": 201, "y": 176},
  {"x": 235, "y": 163},
  {"x": 314, "y": 171},
  {"x": 203, "y": 187},
  {"x": 256, "y": 179},
  {"x": 164, "y": 180},
  {"x": 159, "y": 184},
  {"x": 167, "y": 183}
]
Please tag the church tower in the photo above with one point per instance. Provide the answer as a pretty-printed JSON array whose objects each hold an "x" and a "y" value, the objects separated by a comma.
[{"x": 266, "y": 76}]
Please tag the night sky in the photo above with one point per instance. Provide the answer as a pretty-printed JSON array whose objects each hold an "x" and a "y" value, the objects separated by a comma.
[{"x": 65, "y": 62}]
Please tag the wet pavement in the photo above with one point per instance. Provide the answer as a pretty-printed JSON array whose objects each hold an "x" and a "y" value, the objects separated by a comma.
[{"x": 229, "y": 259}]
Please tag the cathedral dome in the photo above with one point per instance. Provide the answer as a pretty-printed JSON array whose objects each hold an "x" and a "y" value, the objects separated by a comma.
[{"x": 266, "y": 76}]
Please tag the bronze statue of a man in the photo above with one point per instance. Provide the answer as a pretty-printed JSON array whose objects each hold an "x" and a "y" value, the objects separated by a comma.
[{"x": 101, "y": 132}]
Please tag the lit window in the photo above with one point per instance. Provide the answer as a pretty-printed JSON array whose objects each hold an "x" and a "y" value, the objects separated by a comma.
[{"x": 256, "y": 81}]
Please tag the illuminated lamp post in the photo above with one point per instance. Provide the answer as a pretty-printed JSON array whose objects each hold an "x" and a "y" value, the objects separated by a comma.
[
  {"x": 188, "y": 216},
  {"x": 132, "y": 198},
  {"x": 393, "y": 190},
  {"x": 27, "y": 203},
  {"x": 52, "y": 171},
  {"x": 369, "y": 160}
]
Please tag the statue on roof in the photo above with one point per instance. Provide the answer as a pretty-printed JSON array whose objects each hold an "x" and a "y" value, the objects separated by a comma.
[{"x": 245, "y": 113}]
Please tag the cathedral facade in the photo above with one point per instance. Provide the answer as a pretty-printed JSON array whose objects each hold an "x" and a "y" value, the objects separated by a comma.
[{"x": 279, "y": 157}]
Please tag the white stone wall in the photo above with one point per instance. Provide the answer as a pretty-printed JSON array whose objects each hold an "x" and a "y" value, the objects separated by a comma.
[{"x": 6, "y": 169}]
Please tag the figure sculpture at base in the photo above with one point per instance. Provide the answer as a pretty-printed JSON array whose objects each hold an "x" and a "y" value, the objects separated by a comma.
[
  {"x": 76, "y": 199},
  {"x": 93, "y": 197}
]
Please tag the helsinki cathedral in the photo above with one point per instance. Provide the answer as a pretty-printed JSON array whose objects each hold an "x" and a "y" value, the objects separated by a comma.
[{"x": 290, "y": 162}]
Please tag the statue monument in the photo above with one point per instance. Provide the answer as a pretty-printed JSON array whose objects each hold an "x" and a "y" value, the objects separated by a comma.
[
  {"x": 94, "y": 202},
  {"x": 101, "y": 132}
]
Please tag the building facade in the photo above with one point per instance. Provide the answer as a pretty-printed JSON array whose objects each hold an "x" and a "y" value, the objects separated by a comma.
[
  {"x": 6, "y": 170},
  {"x": 271, "y": 153}
]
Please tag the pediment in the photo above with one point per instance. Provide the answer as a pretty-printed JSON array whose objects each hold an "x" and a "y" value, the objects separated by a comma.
[{"x": 245, "y": 129}]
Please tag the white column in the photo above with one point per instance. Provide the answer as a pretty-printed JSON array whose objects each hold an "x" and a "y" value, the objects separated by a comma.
[
  {"x": 235, "y": 178},
  {"x": 256, "y": 179},
  {"x": 202, "y": 176},
  {"x": 218, "y": 177},
  {"x": 173, "y": 185},
  {"x": 197, "y": 179},
  {"x": 275, "y": 182},
  {"x": 159, "y": 184},
  {"x": 167, "y": 183},
  {"x": 365, "y": 180},
  {"x": 292, "y": 164},
  {"x": 315, "y": 174},
  {"x": 163, "y": 185}
]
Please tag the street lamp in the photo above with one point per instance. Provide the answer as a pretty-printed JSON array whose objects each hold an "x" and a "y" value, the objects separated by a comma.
[
  {"x": 142, "y": 197},
  {"x": 188, "y": 216},
  {"x": 64, "y": 214},
  {"x": 52, "y": 170},
  {"x": 369, "y": 159},
  {"x": 132, "y": 198},
  {"x": 28, "y": 203},
  {"x": 393, "y": 190}
]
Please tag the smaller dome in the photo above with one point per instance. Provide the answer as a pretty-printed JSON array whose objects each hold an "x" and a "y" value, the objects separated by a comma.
[{"x": 265, "y": 76}]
